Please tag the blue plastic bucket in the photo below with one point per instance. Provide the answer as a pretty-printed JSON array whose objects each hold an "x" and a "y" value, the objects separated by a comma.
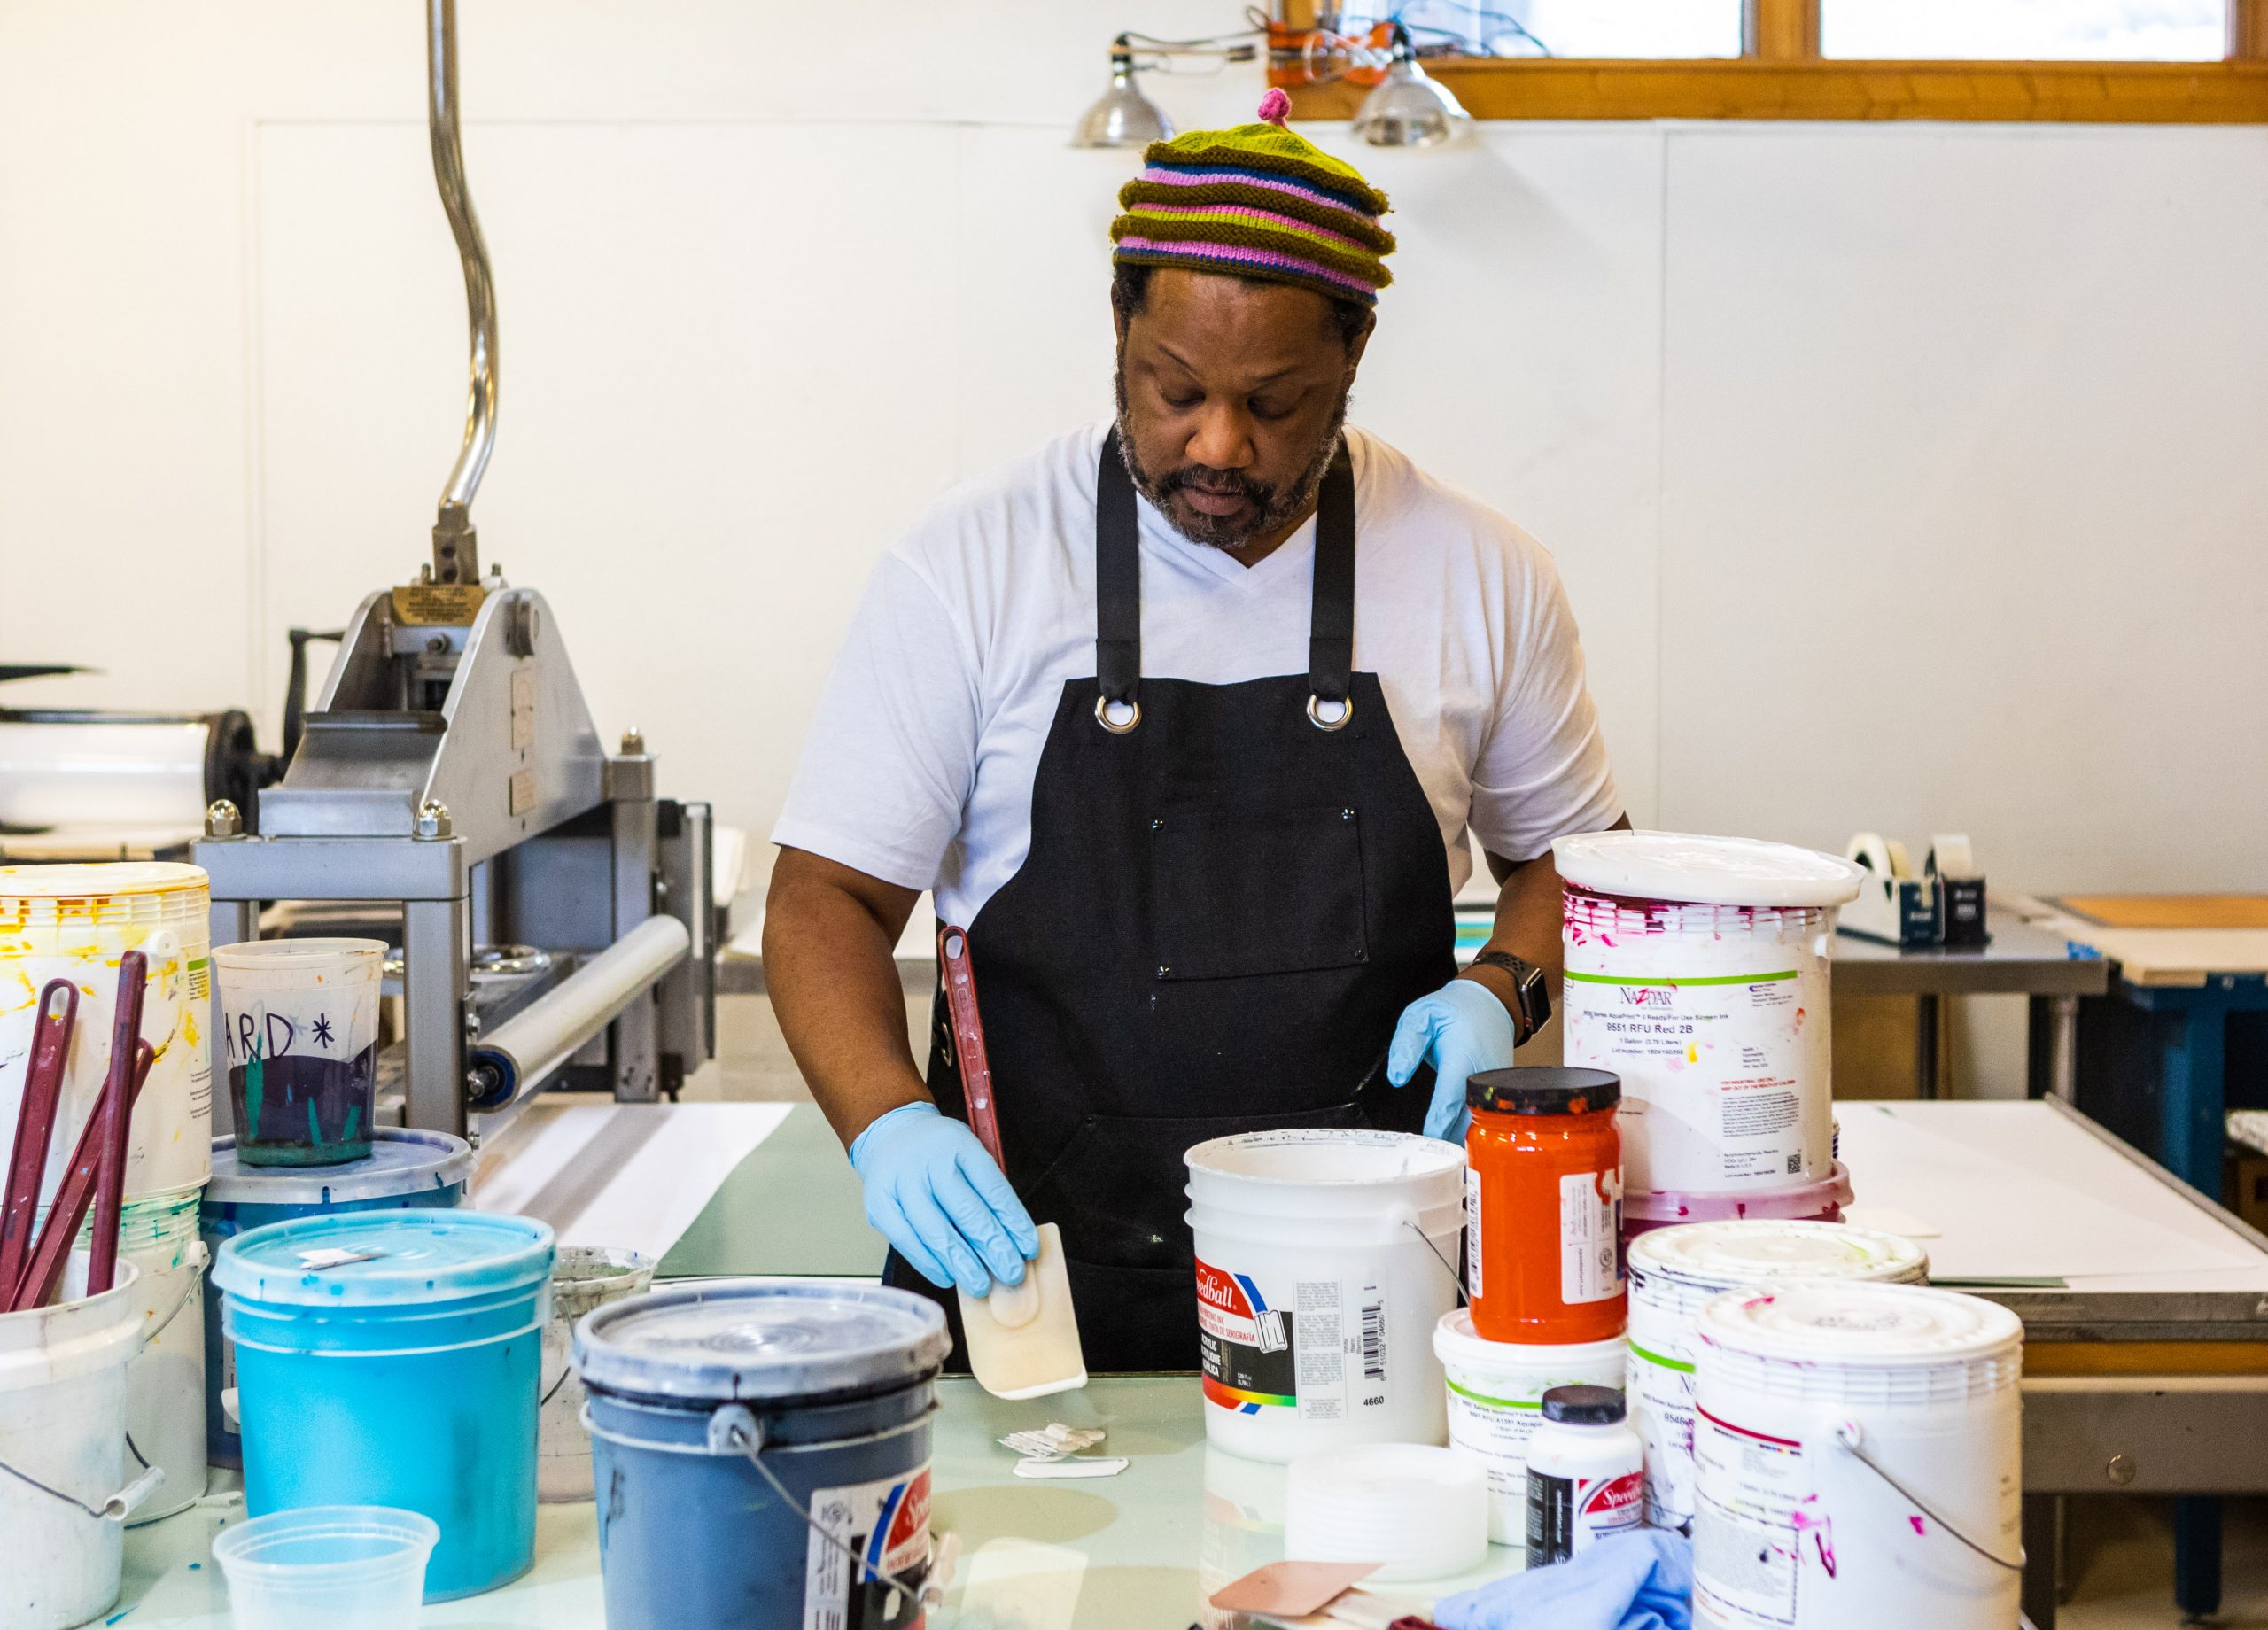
[
  {"x": 731, "y": 1417},
  {"x": 405, "y": 1169},
  {"x": 391, "y": 1358}
]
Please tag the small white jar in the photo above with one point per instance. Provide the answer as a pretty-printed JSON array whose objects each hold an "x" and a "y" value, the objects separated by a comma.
[{"x": 1585, "y": 1473}]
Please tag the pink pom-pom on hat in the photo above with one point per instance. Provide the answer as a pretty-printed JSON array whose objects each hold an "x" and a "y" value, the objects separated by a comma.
[{"x": 1275, "y": 107}]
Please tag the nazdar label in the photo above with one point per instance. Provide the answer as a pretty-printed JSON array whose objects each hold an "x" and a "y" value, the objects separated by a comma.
[
  {"x": 1679, "y": 1042},
  {"x": 1748, "y": 1524},
  {"x": 1661, "y": 1408},
  {"x": 1321, "y": 1358},
  {"x": 886, "y": 1524}
]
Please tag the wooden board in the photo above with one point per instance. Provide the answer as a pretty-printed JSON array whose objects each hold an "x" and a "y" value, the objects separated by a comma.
[
  {"x": 2170, "y": 911},
  {"x": 2178, "y": 956}
]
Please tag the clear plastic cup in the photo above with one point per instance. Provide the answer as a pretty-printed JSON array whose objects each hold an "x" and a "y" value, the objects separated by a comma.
[
  {"x": 300, "y": 1042},
  {"x": 344, "y": 1567}
]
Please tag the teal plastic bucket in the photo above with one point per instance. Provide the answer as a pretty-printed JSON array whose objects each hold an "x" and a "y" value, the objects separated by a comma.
[
  {"x": 392, "y": 1358},
  {"x": 405, "y": 1169}
]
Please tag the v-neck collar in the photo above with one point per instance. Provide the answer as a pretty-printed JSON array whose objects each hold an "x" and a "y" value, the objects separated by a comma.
[{"x": 1296, "y": 554}]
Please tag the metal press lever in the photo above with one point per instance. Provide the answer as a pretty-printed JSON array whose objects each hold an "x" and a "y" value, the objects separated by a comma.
[{"x": 457, "y": 546}]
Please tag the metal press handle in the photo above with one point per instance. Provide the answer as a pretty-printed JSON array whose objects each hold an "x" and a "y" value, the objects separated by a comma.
[{"x": 456, "y": 550}]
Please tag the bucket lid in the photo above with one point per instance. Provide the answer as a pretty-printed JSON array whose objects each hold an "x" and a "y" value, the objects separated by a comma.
[
  {"x": 1710, "y": 871},
  {"x": 1542, "y": 1090},
  {"x": 1752, "y": 1251},
  {"x": 400, "y": 1161},
  {"x": 1805, "y": 1201},
  {"x": 1584, "y": 1406},
  {"x": 1303, "y": 1157},
  {"x": 761, "y": 1339},
  {"x": 366, "y": 1258},
  {"x": 1861, "y": 1325},
  {"x": 97, "y": 880},
  {"x": 1456, "y": 1342}
]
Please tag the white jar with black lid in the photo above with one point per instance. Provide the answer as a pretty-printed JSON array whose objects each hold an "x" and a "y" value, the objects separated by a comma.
[{"x": 1585, "y": 1473}]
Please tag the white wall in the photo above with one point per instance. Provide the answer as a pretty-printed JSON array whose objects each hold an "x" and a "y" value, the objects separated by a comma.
[{"x": 1903, "y": 476}]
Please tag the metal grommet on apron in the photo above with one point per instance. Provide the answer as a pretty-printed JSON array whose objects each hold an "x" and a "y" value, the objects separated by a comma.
[{"x": 1221, "y": 916}]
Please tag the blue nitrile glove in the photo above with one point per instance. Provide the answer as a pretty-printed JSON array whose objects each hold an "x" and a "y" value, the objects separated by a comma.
[
  {"x": 934, "y": 1193},
  {"x": 1640, "y": 1581},
  {"x": 1460, "y": 1029}
]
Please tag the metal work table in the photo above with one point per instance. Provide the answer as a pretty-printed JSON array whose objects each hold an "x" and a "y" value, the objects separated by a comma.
[
  {"x": 2019, "y": 959},
  {"x": 2145, "y": 1306}
]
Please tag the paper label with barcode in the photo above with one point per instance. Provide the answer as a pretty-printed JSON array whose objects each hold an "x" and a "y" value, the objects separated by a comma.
[{"x": 1316, "y": 1348}]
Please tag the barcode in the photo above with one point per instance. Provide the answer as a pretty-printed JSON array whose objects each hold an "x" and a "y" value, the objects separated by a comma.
[
  {"x": 1796, "y": 1161},
  {"x": 1374, "y": 1341}
]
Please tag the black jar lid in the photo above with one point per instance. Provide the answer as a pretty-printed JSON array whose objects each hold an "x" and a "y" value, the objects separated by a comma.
[
  {"x": 1542, "y": 1090},
  {"x": 1584, "y": 1406}
]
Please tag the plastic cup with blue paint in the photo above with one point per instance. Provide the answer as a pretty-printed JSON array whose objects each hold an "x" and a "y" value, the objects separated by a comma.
[{"x": 299, "y": 1040}]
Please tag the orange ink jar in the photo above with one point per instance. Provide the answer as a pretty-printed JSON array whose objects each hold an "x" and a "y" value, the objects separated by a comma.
[{"x": 1543, "y": 1205}]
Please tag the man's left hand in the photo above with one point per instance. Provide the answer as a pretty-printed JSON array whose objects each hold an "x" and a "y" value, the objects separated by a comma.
[{"x": 1459, "y": 1030}]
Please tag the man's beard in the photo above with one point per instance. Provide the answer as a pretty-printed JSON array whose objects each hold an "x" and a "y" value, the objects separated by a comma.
[{"x": 1270, "y": 506}]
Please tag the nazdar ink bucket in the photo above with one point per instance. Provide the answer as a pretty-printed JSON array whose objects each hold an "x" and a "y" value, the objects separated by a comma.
[
  {"x": 404, "y": 1171},
  {"x": 762, "y": 1453},
  {"x": 391, "y": 1358}
]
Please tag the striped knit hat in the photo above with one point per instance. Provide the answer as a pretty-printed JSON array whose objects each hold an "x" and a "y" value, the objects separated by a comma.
[{"x": 1256, "y": 201}]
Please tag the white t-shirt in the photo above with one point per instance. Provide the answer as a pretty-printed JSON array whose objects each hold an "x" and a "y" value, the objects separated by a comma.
[{"x": 920, "y": 765}]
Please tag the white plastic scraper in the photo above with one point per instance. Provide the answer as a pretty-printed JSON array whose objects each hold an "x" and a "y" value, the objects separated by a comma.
[{"x": 1023, "y": 1339}]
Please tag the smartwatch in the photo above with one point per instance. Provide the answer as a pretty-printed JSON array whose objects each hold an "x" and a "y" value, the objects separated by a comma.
[{"x": 1533, "y": 998}]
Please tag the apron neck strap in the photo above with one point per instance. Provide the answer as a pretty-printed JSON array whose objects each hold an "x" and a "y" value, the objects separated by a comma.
[{"x": 1118, "y": 583}]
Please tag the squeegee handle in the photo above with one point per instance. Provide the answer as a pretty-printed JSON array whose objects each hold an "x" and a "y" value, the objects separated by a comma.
[
  {"x": 968, "y": 1037},
  {"x": 51, "y": 1023},
  {"x": 44, "y": 1270}
]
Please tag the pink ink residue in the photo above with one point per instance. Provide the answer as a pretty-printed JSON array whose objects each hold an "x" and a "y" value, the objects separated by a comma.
[
  {"x": 1920, "y": 1526},
  {"x": 1821, "y": 1530}
]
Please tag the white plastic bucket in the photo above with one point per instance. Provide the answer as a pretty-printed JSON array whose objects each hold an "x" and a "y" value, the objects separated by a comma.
[
  {"x": 1860, "y": 1459},
  {"x": 583, "y": 1279},
  {"x": 1675, "y": 1271},
  {"x": 1698, "y": 971},
  {"x": 1496, "y": 1401},
  {"x": 1324, "y": 1259},
  {"x": 74, "y": 922},
  {"x": 62, "y": 1425},
  {"x": 165, "y": 1382}
]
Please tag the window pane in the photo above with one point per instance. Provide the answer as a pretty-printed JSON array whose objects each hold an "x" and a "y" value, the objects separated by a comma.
[
  {"x": 2094, "y": 30},
  {"x": 1577, "y": 28}
]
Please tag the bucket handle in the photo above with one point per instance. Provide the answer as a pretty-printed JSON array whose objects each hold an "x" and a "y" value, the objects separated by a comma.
[
  {"x": 196, "y": 1260},
  {"x": 1406, "y": 1216},
  {"x": 1851, "y": 1437},
  {"x": 733, "y": 1429},
  {"x": 116, "y": 1508}
]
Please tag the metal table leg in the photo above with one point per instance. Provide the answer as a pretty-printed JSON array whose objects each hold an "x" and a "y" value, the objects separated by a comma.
[
  {"x": 2063, "y": 1048},
  {"x": 1929, "y": 1015},
  {"x": 2043, "y": 1556},
  {"x": 2197, "y": 1555}
]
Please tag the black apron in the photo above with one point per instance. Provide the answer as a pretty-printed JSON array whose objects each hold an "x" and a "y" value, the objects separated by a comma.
[{"x": 1232, "y": 892}]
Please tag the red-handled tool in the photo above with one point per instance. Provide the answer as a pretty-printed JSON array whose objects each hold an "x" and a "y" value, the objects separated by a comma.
[
  {"x": 968, "y": 1039},
  {"x": 117, "y": 1115},
  {"x": 44, "y": 1271},
  {"x": 51, "y": 1023}
]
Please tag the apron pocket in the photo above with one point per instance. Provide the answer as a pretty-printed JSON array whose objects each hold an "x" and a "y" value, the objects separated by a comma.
[
  {"x": 1117, "y": 1188},
  {"x": 1245, "y": 892}
]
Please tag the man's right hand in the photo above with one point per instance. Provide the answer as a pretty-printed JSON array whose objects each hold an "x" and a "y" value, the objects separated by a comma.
[{"x": 934, "y": 1193}]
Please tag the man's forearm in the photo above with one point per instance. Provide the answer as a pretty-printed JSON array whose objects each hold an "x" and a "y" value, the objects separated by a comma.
[
  {"x": 828, "y": 938},
  {"x": 1528, "y": 913}
]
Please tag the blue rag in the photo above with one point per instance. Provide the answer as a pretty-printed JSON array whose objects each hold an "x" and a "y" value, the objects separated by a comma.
[{"x": 1634, "y": 1581}]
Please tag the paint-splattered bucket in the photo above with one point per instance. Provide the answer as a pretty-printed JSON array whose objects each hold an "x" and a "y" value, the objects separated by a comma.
[
  {"x": 63, "y": 1441},
  {"x": 391, "y": 1358},
  {"x": 300, "y": 1046},
  {"x": 1698, "y": 971},
  {"x": 585, "y": 1280},
  {"x": 74, "y": 922},
  {"x": 762, "y": 1449},
  {"x": 407, "y": 1170}
]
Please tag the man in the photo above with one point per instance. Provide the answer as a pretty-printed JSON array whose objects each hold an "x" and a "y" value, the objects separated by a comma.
[{"x": 1185, "y": 719}]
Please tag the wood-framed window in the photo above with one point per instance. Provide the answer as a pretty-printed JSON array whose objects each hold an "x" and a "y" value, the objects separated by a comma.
[{"x": 1781, "y": 73}]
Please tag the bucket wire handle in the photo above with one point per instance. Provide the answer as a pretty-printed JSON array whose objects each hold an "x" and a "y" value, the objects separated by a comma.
[
  {"x": 116, "y": 1508},
  {"x": 734, "y": 1427},
  {"x": 1851, "y": 1437},
  {"x": 1455, "y": 1278},
  {"x": 197, "y": 1260}
]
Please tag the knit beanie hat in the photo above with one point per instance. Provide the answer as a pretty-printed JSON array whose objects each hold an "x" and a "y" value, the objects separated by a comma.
[{"x": 1256, "y": 201}]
